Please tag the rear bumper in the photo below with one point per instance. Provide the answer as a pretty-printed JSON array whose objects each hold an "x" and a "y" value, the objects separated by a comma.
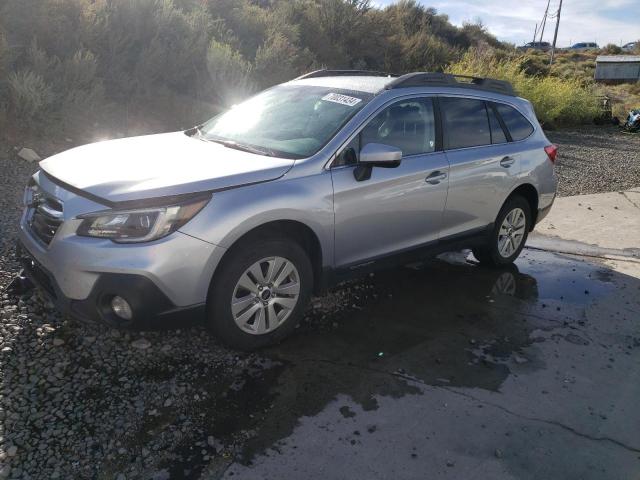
[
  {"x": 149, "y": 304},
  {"x": 543, "y": 212}
]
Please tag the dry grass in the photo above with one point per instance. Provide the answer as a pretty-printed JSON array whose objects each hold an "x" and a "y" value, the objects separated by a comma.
[
  {"x": 624, "y": 97},
  {"x": 557, "y": 101}
]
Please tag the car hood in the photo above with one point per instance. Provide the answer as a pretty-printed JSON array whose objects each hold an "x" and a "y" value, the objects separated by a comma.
[{"x": 159, "y": 165}]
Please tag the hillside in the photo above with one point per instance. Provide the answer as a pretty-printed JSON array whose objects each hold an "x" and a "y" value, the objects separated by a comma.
[
  {"x": 581, "y": 66},
  {"x": 123, "y": 67},
  {"x": 84, "y": 70}
]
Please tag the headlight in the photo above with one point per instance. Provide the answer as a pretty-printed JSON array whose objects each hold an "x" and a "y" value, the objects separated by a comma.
[{"x": 139, "y": 225}]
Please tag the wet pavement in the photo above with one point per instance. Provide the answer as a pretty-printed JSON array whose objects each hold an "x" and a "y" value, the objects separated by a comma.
[{"x": 446, "y": 370}]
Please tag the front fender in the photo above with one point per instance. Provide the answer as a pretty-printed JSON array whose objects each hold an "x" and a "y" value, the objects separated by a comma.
[{"x": 233, "y": 213}]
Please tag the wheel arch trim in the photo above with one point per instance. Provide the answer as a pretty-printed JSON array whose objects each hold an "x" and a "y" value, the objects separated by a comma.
[
  {"x": 306, "y": 234},
  {"x": 531, "y": 195}
]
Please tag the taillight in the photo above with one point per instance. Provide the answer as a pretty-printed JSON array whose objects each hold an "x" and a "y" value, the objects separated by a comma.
[{"x": 552, "y": 152}]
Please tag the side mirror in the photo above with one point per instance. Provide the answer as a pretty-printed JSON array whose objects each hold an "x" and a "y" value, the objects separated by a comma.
[
  {"x": 380, "y": 155},
  {"x": 376, "y": 155}
]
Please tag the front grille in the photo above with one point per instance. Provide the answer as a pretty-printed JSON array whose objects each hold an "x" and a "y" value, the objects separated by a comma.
[{"x": 45, "y": 218}]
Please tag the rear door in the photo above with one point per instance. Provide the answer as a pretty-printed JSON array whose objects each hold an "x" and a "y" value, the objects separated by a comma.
[
  {"x": 483, "y": 164},
  {"x": 396, "y": 208}
]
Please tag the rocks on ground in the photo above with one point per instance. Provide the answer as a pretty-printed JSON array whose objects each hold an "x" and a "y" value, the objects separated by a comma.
[
  {"x": 29, "y": 155},
  {"x": 596, "y": 159}
]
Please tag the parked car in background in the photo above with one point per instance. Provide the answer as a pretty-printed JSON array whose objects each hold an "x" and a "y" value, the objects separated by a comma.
[
  {"x": 583, "y": 46},
  {"x": 306, "y": 184},
  {"x": 543, "y": 46},
  {"x": 630, "y": 47}
]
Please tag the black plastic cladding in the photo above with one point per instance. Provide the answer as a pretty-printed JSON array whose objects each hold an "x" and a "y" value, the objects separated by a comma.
[
  {"x": 423, "y": 79},
  {"x": 427, "y": 79}
]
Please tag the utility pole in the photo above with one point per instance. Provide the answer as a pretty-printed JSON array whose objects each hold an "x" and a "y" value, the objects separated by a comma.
[
  {"x": 555, "y": 35},
  {"x": 535, "y": 32},
  {"x": 544, "y": 20}
]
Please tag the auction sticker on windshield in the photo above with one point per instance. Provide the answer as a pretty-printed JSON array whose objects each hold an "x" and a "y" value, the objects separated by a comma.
[{"x": 342, "y": 99}]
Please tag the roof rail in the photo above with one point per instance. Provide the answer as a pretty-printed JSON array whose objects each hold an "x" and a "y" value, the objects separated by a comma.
[
  {"x": 344, "y": 73},
  {"x": 428, "y": 79}
]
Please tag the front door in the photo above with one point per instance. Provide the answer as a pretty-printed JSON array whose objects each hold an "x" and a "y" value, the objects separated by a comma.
[{"x": 396, "y": 208}]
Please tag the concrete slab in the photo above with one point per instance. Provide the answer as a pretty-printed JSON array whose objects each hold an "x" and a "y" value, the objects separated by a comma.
[
  {"x": 607, "y": 220},
  {"x": 454, "y": 371},
  {"x": 633, "y": 197}
]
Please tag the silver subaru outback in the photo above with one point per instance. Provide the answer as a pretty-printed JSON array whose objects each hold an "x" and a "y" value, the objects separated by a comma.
[{"x": 241, "y": 219}]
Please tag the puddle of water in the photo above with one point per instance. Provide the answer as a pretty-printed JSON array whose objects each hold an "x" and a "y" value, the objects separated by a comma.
[
  {"x": 447, "y": 323},
  {"x": 566, "y": 279},
  {"x": 442, "y": 323}
]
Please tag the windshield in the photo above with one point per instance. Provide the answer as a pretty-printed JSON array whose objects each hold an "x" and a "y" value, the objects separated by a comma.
[{"x": 290, "y": 121}]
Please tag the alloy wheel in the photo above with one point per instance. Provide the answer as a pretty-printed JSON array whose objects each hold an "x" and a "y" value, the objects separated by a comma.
[
  {"x": 265, "y": 295},
  {"x": 511, "y": 232}
]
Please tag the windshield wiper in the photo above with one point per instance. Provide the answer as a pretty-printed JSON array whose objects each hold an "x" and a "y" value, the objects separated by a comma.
[
  {"x": 194, "y": 130},
  {"x": 244, "y": 147}
]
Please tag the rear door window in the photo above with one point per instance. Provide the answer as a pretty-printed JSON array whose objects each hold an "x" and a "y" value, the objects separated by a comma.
[
  {"x": 518, "y": 126},
  {"x": 465, "y": 121}
]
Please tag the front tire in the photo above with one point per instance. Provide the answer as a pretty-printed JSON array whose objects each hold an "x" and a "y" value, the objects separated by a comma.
[
  {"x": 260, "y": 293},
  {"x": 509, "y": 234}
]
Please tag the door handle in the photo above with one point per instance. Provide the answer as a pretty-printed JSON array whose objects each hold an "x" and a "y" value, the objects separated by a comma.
[
  {"x": 436, "y": 177},
  {"x": 507, "y": 161}
]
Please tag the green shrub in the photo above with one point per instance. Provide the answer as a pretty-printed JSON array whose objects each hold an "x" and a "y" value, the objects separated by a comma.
[
  {"x": 80, "y": 90},
  {"x": 581, "y": 70},
  {"x": 172, "y": 56},
  {"x": 29, "y": 97},
  {"x": 535, "y": 64},
  {"x": 557, "y": 101},
  {"x": 278, "y": 50},
  {"x": 425, "y": 52},
  {"x": 611, "y": 49},
  {"x": 230, "y": 73}
]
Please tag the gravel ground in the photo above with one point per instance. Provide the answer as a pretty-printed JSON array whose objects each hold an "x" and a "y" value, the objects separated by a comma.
[
  {"x": 596, "y": 159},
  {"x": 83, "y": 401},
  {"x": 78, "y": 401}
]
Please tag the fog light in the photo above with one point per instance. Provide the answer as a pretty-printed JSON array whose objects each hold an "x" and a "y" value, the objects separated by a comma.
[{"x": 121, "y": 308}]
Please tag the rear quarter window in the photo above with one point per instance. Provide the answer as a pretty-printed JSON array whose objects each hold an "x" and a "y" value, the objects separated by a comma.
[{"x": 519, "y": 127}]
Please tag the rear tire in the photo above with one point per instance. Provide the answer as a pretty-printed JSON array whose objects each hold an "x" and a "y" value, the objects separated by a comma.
[
  {"x": 509, "y": 234},
  {"x": 260, "y": 293}
]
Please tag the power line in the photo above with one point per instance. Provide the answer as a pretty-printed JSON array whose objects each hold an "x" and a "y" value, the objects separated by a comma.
[{"x": 544, "y": 20}]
